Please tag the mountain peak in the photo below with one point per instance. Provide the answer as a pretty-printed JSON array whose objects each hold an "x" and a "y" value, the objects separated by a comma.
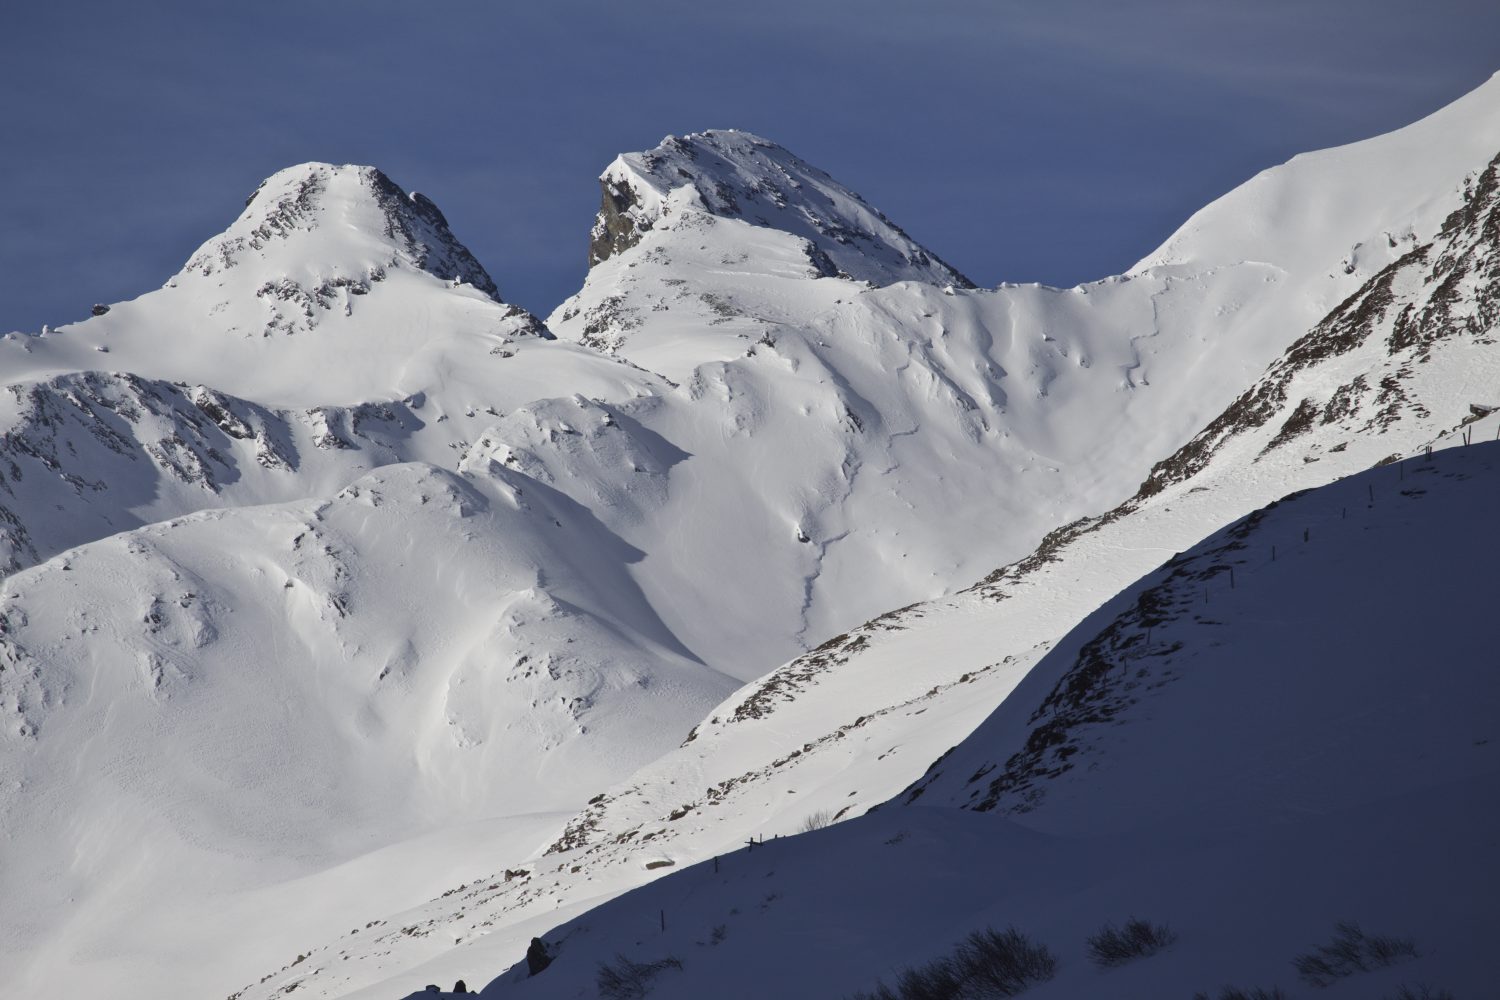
[
  {"x": 350, "y": 220},
  {"x": 734, "y": 174}
]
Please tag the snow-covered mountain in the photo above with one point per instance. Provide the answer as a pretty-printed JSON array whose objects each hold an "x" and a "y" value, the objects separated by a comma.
[
  {"x": 736, "y": 175},
  {"x": 348, "y": 580},
  {"x": 336, "y": 326},
  {"x": 853, "y": 722}
]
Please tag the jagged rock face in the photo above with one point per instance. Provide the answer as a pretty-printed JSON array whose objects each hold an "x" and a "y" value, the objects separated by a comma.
[
  {"x": 733, "y": 174},
  {"x": 614, "y": 229}
]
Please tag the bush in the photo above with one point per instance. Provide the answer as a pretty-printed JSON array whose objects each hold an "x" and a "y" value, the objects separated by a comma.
[
  {"x": 1420, "y": 993},
  {"x": 627, "y": 980},
  {"x": 1002, "y": 964},
  {"x": 986, "y": 964},
  {"x": 1137, "y": 939},
  {"x": 937, "y": 980},
  {"x": 1255, "y": 993},
  {"x": 1351, "y": 951},
  {"x": 816, "y": 821}
]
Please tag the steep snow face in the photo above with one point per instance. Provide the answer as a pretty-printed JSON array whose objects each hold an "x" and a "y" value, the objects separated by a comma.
[
  {"x": 1351, "y": 209},
  {"x": 201, "y": 708},
  {"x": 1248, "y": 771},
  {"x": 737, "y": 175}
]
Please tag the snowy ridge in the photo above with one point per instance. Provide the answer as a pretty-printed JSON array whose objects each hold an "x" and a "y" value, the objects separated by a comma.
[{"x": 1356, "y": 207}]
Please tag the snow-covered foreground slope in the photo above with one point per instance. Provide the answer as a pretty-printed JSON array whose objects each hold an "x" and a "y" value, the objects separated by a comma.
[
  {"x": 1248, "y": 764},
  {"x": 1404, "y": 361}
]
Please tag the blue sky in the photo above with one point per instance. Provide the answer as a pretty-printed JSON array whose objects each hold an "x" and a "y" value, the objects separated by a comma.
[{"x": 1022, "y": 141}]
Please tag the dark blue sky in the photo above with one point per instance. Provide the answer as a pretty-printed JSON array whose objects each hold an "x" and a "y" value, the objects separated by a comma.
[{"x": 1053, "y": 141}]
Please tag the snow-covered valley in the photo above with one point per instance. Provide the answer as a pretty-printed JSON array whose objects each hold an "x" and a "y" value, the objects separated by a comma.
[{"x": 361, "y": 627}]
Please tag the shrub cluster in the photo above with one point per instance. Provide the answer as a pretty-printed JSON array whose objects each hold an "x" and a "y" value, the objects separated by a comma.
[
  {"x": 997, "y": 964},
  {"x": 1351, "y": 951},
  {"x": 1137, "y": 939},
  {"x": 1255, "y": 993},
  {"x": 1420, "y": 992},
  {"x": 623, "y": 979},
  {"x": 986, "y": 964},
  {"x": 816, "y": 821}
]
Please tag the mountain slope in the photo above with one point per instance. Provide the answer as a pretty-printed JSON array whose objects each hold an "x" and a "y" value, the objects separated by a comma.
[
  {"x": 1352, "y": 208},
  {"x": 1249, "y": 771},
  {"x": 261, "y": 694}
]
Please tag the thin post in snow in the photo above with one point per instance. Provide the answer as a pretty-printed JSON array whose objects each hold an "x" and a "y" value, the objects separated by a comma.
[
  {"x": 1307, "y": 534},
  {"x": 1231, "y": 578},
  {"x": 663, "y": 921},
  {"x": 1372, "y": 492},
  {"x": 1273, "y": 553}
]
